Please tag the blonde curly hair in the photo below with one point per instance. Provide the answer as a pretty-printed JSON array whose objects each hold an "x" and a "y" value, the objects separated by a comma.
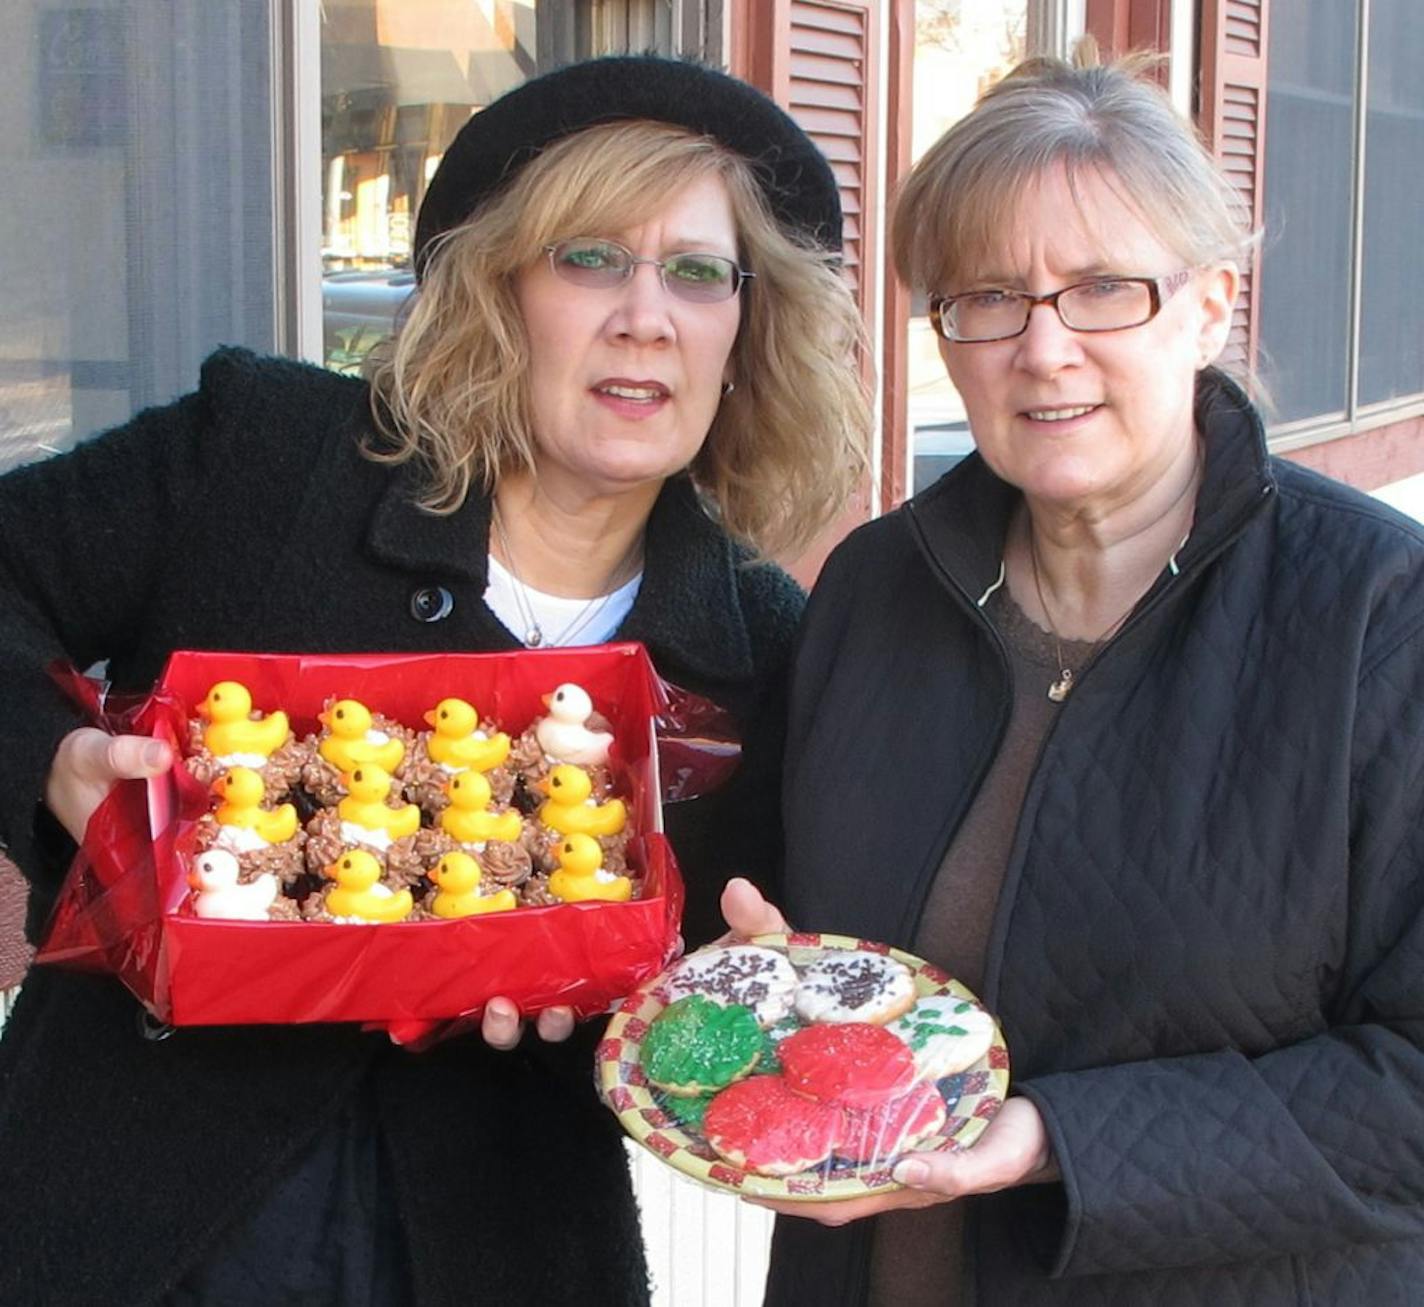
[{"x": 786, "y": 447}]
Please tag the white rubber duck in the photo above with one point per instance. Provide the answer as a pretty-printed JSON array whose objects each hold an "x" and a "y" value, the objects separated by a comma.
[
  {"x": 564, "y": 733},
  {"x": 214, "y": 877}
]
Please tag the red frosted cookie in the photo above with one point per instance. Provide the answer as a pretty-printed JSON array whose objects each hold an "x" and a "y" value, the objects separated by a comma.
[
  {"x": 875, "y": 1134},
  {"x": 760, "y": 1125},
  {"x": 850, "y": 1065}
]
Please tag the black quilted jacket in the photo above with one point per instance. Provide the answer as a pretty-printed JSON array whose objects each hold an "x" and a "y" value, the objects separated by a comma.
[
  {"x": 1208, "y": 954},
  {"x": 244, "y": 517}
]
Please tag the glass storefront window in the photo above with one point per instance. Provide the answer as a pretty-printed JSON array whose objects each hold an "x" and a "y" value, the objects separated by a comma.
[
  {"x": 1305, "y": 259},
  {"x": 397, "y": 82},
  {"x": 960, "y": 50},
  {"x": 136, "y": 220},
  {"x": 1392, "y": 312}
]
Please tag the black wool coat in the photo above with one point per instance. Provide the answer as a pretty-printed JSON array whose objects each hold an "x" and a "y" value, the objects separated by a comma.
[
  {"x": 1208, "y": 952},
  {"x": 244, "y": 516}
]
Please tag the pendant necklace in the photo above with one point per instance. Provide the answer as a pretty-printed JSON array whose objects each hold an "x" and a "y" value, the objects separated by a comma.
[
  {"x": 534, "y": 636},
  {"x": 1060, "y": 689}
]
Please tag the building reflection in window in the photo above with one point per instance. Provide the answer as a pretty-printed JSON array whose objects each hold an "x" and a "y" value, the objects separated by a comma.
[
  {"x": 398, "y": 81},
  {"x": 961, "y": 49}
]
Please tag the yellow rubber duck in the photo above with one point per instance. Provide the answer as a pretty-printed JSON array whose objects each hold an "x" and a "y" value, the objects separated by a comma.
[
  {"x": 568, "y": 809},
  {"x": 230, "y": 732},
  {"x": 458, "y": 742},
  {"x": 580, "y": 875},
  {"x": 241, "y": 793},
  {"x": 365, "y": 804},
  {"x": 469, "y": 817},
  {"x": 357, "y": 892},
  {"x": 353, "y": 741},
  {"x": 458, "y": 876}
]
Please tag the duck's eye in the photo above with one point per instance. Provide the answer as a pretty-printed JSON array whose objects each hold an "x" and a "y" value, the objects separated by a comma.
[
  {"x": 356, "y": 776},
  {"x": 444, "y": 713}
]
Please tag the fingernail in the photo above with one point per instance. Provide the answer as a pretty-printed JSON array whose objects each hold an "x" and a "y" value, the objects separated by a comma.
[
  {"x": 910, "y": 1174},
  {"x": 154, "y": 754},
  {"x": 502, "y": 1011}
]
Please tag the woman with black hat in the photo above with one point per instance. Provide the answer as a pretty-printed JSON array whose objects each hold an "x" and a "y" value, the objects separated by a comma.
[{"x": 624, "y": 382}]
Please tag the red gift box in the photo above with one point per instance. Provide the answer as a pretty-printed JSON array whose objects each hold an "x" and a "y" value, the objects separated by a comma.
[{"x": 121, "y": 909}]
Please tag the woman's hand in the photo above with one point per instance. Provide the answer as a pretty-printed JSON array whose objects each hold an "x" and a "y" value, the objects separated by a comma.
[
  {"x": 87, "y": 765},
  {"x": 503, "y": 1028},
  {"x": 1013, "y": 1150},
  {"x": 747, "y": 913}
]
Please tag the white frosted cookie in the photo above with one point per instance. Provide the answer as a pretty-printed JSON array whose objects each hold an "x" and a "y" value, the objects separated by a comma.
[
  {"x": 747, "y": 974},
  {"x": 854, "y": 986},
  {"x": 946, "y": 1034}
]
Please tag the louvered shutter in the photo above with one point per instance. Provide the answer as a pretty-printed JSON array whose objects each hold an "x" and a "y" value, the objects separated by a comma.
[
  {"x": 1232, "y": 117},
  {"x": 819, "y": 59}
]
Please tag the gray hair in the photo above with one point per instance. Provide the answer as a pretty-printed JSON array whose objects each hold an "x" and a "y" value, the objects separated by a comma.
[{"x": 1103, "y": 119}]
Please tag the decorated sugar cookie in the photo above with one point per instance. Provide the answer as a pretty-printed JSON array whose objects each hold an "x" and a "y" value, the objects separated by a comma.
[
  {"x": 946, "y": 1034},
  {"x": 697, "y": 1046},
  {"x": 759, "y": 978},
  {"x": 852, "y": 1064},
  {"x": 894, "y": 1126},
  {"x": 760, "y": 1124},
  {"x": 854, "y": 986}
]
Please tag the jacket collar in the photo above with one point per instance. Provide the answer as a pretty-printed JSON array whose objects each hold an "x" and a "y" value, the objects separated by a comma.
[
  {"x": 688, "y": 609},
  {"x": 961, "y": 521}
]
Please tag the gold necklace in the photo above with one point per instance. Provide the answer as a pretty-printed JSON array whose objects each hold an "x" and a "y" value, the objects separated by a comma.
[
  {"x": 1060, "y": 689},
  {"x": 534, "y": 637}
]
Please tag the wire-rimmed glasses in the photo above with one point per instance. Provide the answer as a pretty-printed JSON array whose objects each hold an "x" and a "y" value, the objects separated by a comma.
[
  {"x": 1102, "y": 304},
  {"x": 602, "y": 265}
]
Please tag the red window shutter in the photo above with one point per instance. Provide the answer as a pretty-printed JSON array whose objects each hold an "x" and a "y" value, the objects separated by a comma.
[
  {"x": 820, "y": 59},
  {"x": 1232, "y": 117}
]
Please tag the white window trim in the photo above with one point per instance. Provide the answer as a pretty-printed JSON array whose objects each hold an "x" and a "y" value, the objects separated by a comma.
[
  {"x": 296, "y": 149},
  {"x": 1054, "y": 26}
]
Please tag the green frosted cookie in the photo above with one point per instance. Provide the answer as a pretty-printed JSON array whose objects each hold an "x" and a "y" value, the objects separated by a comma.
[
  {"x": 696, "y": 1046},
  {"x": 687, "y": 1111}
]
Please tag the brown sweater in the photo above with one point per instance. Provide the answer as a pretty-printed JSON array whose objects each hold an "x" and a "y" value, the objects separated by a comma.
[{"x": 917, "y": 1257}]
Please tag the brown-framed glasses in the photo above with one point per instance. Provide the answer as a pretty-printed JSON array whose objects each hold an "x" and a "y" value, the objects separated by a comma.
[{"x": 1102, "y": 304}]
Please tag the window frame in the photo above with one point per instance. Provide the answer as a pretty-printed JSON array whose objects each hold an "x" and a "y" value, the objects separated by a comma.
[{"x": 1357, "y": 418}]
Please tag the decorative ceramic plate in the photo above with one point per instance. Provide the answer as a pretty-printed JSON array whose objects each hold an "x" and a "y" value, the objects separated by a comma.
[{"x": 972, "y": 1097}]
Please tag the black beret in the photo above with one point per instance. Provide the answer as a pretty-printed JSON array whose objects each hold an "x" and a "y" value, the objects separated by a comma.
[{"x": 489, "y": 149}]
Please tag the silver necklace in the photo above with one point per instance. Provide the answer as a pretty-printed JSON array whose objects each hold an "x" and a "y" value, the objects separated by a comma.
[
  {"x": 1060, "y": 689},
  {"x": 534, "y": 636}
]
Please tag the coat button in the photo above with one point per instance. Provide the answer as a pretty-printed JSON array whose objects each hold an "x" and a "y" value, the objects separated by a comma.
[{"x": 431, "y": 603}]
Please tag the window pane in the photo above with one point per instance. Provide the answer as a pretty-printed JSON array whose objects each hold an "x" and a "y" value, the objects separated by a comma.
[
  {"x": 136, "y": 228},
  {"x": 1392, "y": 310},
  {"x": 1305, "y": 263},
  {"x": 397, "y": 82},
  {"x": 961, "y": 49}
]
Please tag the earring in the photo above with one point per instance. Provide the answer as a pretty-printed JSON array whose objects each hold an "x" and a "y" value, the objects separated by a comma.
[{"x": 727, "y": 388}]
